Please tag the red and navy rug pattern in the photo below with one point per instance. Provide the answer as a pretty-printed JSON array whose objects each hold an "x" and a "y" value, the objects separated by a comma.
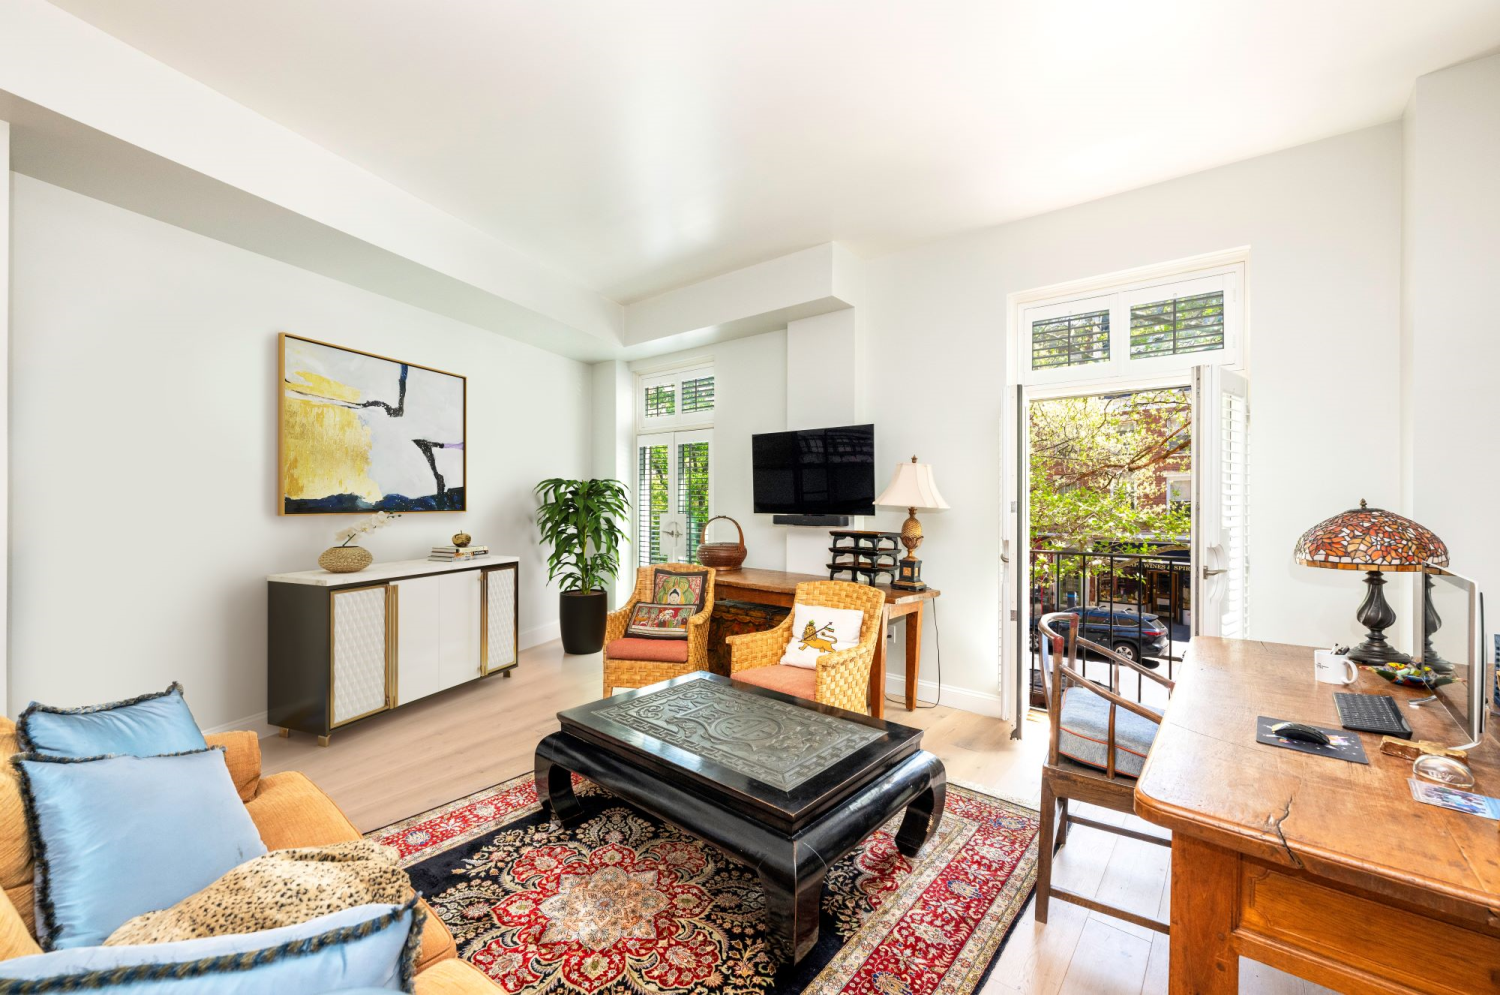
[{"x": 622, "y": 902}]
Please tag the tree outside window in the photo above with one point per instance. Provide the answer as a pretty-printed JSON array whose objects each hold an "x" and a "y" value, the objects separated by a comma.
[{"x": 1100, "y": 472}]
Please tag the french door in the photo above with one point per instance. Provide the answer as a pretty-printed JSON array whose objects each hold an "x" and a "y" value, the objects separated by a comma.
[
  {"x": 674, "y": 495},
  {"x": 1014, "y": 678}
]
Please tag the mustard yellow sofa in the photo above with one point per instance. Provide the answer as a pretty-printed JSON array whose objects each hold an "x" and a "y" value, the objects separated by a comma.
[{"x": 287, "y": 808}]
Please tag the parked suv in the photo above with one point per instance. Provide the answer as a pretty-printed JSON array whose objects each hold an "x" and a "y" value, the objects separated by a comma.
[{"x": 1138, "y": 638}]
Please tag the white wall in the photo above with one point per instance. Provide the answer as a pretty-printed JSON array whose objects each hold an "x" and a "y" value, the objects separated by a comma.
[
  {"x": 4, "y": 395},
  {"x": 144, "y": 456},
  {"x": 82, "y": 74},
  {"x": 1324, "y": 228},
  {"x": 749, "y": 398},
  {"x": 821, "y": 363},
  {"x": 1452, "y": 342},
  {"x": 613, "y": 420},
  {"x": 822, "y": 391}
]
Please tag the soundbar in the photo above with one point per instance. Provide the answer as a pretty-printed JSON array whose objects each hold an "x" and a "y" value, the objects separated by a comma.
[{"x": 814, "y": 521}]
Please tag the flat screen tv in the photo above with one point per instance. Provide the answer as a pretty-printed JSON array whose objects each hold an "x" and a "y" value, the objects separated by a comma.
[{"x": 821, "y": 471}]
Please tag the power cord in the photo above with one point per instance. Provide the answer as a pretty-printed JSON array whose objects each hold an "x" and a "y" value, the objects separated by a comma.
[{"x": 937, "y": 641}]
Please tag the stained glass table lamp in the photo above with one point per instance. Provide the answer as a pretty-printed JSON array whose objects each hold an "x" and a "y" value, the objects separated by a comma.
[{"x": 1376, "y": 542}]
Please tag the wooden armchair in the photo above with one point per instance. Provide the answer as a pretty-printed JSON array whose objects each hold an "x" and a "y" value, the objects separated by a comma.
[
  {"x": 1098, "y": 745},
  {"x": 842, "y": 678},
  {"x": 637, "y": 662}
]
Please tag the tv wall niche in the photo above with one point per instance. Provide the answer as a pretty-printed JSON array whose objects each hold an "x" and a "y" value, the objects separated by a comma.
[{"x": 361, "y": 432}]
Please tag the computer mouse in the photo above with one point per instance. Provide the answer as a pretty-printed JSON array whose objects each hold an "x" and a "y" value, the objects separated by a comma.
[{"x": 1301, "y": 733}]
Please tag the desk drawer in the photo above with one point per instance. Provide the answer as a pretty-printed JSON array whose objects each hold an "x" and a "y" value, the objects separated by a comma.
[{"x": 1286, "y": 919}]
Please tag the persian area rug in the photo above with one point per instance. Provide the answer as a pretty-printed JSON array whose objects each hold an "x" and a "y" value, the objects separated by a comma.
[{"x": 622, "y": 902}]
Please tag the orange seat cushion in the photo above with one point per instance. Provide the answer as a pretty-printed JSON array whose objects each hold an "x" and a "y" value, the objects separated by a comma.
[
  {"x": 655, "y": 650},
  {"x": 799, "y": 681}
]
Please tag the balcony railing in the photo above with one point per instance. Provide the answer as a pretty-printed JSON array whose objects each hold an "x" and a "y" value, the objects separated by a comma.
[{"x": 1114, "y": 593}]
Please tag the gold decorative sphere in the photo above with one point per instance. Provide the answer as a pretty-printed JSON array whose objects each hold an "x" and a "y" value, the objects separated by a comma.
[{"x": 462, "y": 539}]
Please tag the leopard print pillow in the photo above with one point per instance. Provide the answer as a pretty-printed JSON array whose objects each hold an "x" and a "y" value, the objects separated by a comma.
[{"x": 281, "y": 888}]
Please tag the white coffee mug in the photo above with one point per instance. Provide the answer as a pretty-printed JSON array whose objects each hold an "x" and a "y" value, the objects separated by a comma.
[{"x": 1334, "y": 668}]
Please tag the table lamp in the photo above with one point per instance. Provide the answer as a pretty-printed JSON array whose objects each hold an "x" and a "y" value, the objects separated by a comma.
[
  {"x": 1376, "y": 542},
  {"x": 911, "y": 487}
]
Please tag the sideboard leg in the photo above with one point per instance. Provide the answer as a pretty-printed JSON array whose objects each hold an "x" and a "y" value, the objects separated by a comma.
[
  {"x": 323, "y": 740},
  {"x": 285, "y": 733}
]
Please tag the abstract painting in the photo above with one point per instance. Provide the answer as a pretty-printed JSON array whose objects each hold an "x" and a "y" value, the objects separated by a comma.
[{"x": 363, "y": 433}]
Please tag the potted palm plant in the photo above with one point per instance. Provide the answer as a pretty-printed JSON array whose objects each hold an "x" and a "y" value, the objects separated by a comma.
[{"x": 580, "y": 521}]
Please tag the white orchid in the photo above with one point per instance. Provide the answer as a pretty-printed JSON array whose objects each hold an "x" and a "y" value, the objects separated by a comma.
[{"x": 375, "y": 521}]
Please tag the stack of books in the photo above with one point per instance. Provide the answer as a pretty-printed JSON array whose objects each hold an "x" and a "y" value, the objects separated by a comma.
[{"x": 448, "y": 553}]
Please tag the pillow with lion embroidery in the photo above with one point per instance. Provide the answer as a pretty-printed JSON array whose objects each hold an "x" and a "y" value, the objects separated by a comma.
[{"x": 816, "y": 631}]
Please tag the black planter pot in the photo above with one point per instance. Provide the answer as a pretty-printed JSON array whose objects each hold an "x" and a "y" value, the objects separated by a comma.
[{"x": 581, "y": 616}]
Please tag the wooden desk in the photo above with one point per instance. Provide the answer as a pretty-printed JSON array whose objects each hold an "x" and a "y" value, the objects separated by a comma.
[
  {"x": 777, "y": 587},
  {"x": 1326, "y": 869}
]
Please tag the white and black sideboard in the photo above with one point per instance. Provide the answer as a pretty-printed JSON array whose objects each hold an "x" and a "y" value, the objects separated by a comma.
[{"x": 344, "y": 647}]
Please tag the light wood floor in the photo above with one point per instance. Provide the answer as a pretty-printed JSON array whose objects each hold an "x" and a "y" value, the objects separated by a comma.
[{"x": 442, "y": 748}]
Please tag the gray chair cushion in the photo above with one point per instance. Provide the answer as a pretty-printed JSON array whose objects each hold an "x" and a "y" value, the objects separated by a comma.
[{"x": 1084, "y": 733}]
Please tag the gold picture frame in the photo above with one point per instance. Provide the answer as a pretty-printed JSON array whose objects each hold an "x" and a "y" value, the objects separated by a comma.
[{"x": 336, "y": 454}]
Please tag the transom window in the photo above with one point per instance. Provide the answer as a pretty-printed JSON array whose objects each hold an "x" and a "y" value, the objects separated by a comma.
[
  {"x": 1177, "y": 326},
  {"x": 1148, "y": 328},
  {"x": 661, "y": 401},
  {"x": 679, "y": 399},
  {"x": 1070, "y": 340}
]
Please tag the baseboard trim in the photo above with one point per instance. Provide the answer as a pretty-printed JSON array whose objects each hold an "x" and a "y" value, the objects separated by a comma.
[
  {"x": 544, "y": 633},
  {"x": 978, "y": 702},
  {"x": 255, "y": 723}
]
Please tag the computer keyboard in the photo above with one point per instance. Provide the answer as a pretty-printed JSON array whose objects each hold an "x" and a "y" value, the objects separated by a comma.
[{"x": 1372, "y": 713}]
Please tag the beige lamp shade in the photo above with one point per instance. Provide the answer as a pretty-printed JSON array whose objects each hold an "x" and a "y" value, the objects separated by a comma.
[{"x": 912, "y": 486}]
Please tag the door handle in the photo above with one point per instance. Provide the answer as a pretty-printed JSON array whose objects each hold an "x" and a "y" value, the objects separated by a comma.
[{"x": 1211, "y": 572}]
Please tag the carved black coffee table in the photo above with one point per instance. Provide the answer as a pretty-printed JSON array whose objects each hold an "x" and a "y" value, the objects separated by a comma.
[{"x": 786, "y": 785}]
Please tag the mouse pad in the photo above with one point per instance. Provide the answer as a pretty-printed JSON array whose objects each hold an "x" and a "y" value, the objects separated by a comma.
[{"x": 1342, "y": 744}]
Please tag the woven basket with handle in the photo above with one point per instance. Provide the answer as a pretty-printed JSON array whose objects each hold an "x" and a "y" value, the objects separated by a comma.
[{"x": 722, "y": 555}]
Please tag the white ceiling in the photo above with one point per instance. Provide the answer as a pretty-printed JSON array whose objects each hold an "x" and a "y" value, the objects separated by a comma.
[{"x": 639, "y": 145}]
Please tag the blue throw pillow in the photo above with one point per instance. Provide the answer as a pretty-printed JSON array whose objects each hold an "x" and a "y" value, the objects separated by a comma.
[
  {"x": 114, "y": 837},
  {"x": 147, "y": 726},
  {"x": 367, "y": 948}
]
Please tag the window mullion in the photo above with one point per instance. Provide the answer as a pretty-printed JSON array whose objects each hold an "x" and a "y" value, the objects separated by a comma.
[{"x": 1119, "y": 335}]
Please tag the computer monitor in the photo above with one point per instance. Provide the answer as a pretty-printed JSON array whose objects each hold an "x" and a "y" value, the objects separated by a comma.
[{"x": 1451, "y": 640}]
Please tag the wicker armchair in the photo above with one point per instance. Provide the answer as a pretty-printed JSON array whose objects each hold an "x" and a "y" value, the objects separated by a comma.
[
  {"x": 842, "y": 678},
  {"x": 620, "y": 671}
]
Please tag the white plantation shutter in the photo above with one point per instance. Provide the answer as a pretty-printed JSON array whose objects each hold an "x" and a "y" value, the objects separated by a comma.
[
  {"x": 1221, "y": 561},
  {"x": 694, "y": 490},
  {"x": 653, "y": 496},
  {"x": 1070, "y": 340},
  {"x": 1177, "y": 326},
  {"x": 1234, "y": 428},
  {"x": 698, "y": 393}
]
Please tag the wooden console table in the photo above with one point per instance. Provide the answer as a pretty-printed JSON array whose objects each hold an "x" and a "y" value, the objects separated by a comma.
[
  {"x": 1326, "y": 869},
  {"x": 778, "y": 587}
]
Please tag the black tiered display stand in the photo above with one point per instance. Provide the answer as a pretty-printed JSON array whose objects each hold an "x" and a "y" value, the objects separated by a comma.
[{"x": 863, "y": 556}]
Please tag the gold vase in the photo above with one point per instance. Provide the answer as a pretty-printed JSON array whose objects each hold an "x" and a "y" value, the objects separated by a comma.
[{"x": 345, "y": 559}]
